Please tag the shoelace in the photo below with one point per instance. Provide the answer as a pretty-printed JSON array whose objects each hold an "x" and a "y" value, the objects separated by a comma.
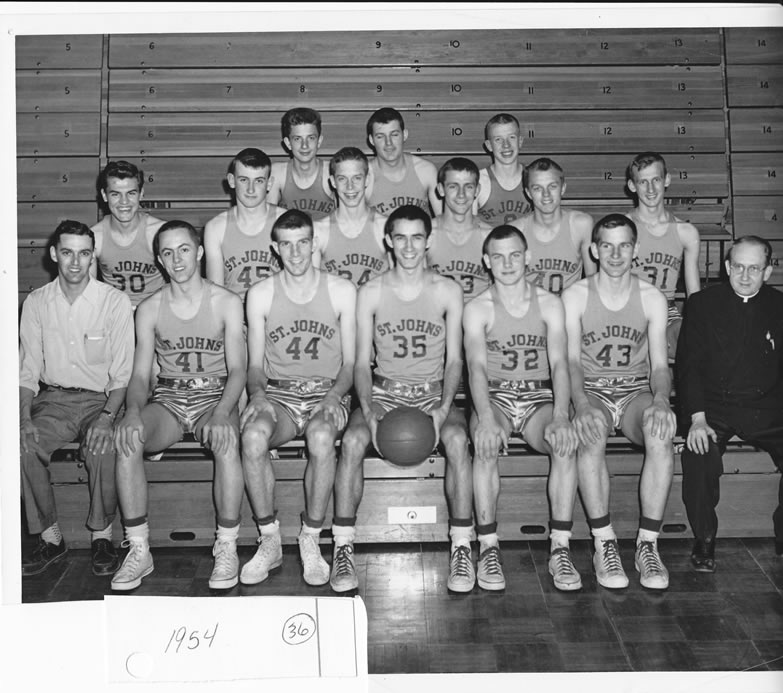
[
  {"x": 135, "y": 550},
  {"x": 490, "y": 559},
  {"x": 460, "y": 562},
  {"x": 343, "y": 561},
  {"x": 563, "y": 562},
  {"x": 223, "y": 557},
  {"x": 612, "y": 557},
  {"x": 649, "y": 557}
]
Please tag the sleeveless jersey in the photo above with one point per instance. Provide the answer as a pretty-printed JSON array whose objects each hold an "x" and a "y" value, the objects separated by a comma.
[
  {"x": 614, "y": 342},
  {"x": 388, "y": 195},
  {"x": 191, "y": 348},
  {"x": 356, "y": 259},
  {"x": 460, "y": 262},
  {"x": 556, "y": 264},
  {"x": 302, "y": 339},
  {"x": 516, "y": 347},
  {"x": 409, "y": 338},
  {"x": 247, "y": 259},
  {"x": 131, "y": 268},
  {"x": 312, "y": 200},
  {"x": 660, "y": 257},
  {"x": 503, "y": 206}
]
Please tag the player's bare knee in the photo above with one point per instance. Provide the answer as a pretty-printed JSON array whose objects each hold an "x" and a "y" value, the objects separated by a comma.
[
  {"x": 255, "y": 441},
  {"x": 354, "y": 445},
  {"x": 320, "y": 437}
]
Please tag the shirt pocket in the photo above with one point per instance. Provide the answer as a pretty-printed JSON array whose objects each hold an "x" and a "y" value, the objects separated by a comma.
[{"x": 96, "y": 347}]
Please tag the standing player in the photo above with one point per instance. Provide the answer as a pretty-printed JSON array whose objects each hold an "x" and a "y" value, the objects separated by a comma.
[
  {"x": 616, "y": 325},
  {"x": 302, "y": 183},
  {"x": 75, "y": 358},
  {"x": 238, "y": 242},
  {"x": 301, "y": 335},
  {"x": 515, "y": 344},
  {"x": 666, "y": 244},
  {"x": 123, "y": 238},
  {"x": 194, "y": 328},
  {"x": 397, "y": 178},
  {"x": 457, "y": 235},
  {"x": 410, "y": 318},
  {"x": 502, "y": 197},
  {"x": 558, "y": 239},
  {"x": 349, "y": 242}
]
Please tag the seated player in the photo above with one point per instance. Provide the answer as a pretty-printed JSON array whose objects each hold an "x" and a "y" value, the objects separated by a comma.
[
  {"x": 501, "y": 198},
  {"x": 301, "y": 340},
  {"x": 558, "y": 238},
  {"x": 666, "y": 244},
  {"x": 515, "y": 345},
  {"x": 397, "y": 178},
  {"x": 75, "y": 359},
  {"x": 123, "y": 238},
  {"x": 410, "y": 318},
  {"x": 238, "y": 242},
  {"x": 616, "y": 325},
  {"x": 349, "y": 242},
  {"x": 303, "y": 182},
  {"x": 457, "y": 235},
  {"x": 194, "y": 330}
]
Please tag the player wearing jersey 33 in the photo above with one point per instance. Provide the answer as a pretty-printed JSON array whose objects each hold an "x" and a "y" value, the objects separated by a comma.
[
  {"x": 301, "y": 341},
  {"x": 515, "y": 344},
  {"x": 616, "y": 325}
]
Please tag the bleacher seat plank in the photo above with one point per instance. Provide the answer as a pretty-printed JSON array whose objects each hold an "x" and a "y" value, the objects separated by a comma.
[
  {"x": 429, "y": 132},
  {"x": 757, "y": 174},
  {"x": 58, "y": 134},
  {"x": 754, "y": 45},
  {"x": 48, "y": 91},
  {"x": 754, "y": 85},
  {"x": 66, "y": 179},
  {"x": 756, "y": 129},
  {"x": 36, "y": 221},
  {"x": 254, "y": 89},
  {"x": 59, "y": 51},
  {"x": 424, "y": 47},
  {"x": 35, "y": 268},
  {"x": 759, "y": 215}
]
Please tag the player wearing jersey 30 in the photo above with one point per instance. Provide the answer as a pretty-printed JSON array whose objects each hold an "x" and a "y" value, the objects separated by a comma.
[
  {"x": 515, "y": 344},
  {"x": 558, "y": 238},
  {"x": 238, "y": 242},
  {"x": 349, "y": 242},
  {"x": 194, "y": 330},
  {"x": 616, "y": 325},
  {"x": 301, "y": 341},
  {"x": 667, "y": 245}
]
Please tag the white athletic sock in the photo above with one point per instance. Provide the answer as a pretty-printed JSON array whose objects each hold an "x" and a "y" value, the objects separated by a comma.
[
  {"x": 646, "y": 535},
  {"x": 52, "y": 535},
  {"x": 558, "y": 539},
  {"x": 269, "y": 529},
  {"x": 460, "y": 536},
  {"x": 227, "y": 533},
  {"x": 603, "y": 534},
  {"x": 343, "y": 535},
  {"x": 312, "y": 531},
  {"x": 102, "y": 534},
  {"x": 487, "y": 540},
  {"x": 141, "y": 531}
]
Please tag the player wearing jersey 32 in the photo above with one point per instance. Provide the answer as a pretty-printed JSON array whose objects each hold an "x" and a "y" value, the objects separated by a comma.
[
  {"x": 515, "y": 344},
  {"x": 616, "y": 325}
]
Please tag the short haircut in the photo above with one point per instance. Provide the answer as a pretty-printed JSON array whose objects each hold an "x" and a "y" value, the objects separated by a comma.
[
  {"x": 169, "y": 226},
  {"x": 383, "y": 116},
  {"x": 499, "y": 119},
  {"x": 348, "y": 154},
  {"x": 120, "y": 169},
  {"x": 613, "y": 221},
  {"x": 644, "y": 160},
  {"x": 763, "y": 243},
  {"x": 458, "y": 163},
  {"x": 252, "y": 158},
  {"x": 292, "y": 219},
  {"x": 72, "y": 228},
  {"x": 500, "y": 233},
  {"x": 542, "y": 164},
  {"x": 300, "y": 116},
  {"x": 408, "y": 213}
]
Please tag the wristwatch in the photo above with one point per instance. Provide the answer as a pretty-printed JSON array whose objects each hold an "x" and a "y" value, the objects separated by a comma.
[{"x": 111, "y": 415}]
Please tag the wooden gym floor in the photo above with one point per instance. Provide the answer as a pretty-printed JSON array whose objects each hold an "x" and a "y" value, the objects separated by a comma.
[{"x": 731, "y": 620}]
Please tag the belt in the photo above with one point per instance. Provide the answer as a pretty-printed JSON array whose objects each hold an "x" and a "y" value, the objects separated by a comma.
[
  {"x": 617, "y": 380},
  {"x": 397, "y": 387},
  {"x": 302, "y": 386},
  {"x": 193, "y": 383},
  {"x": 47, "y": 386},
  {"x": 520, "y": 384}
]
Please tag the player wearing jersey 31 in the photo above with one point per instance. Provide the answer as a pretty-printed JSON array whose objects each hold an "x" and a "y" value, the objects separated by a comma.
[
  {"x": 194, "y": 330},
  {"x": 515, "y": 344},
  {"x": 301, "y": 341},
  {"x": 616, "y": 325}
]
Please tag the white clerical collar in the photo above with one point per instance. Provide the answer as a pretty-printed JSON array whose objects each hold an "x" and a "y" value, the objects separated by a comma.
[{"x": 745, "y": 299}]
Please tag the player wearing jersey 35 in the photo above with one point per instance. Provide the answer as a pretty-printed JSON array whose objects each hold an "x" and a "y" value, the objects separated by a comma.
[{"x": 616, "y": 325}]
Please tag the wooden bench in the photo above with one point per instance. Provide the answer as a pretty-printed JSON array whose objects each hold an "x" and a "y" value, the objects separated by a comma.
[{"x": 408, "y": 504}]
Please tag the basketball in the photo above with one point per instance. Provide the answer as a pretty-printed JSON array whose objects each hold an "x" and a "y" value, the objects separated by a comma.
[{"x": 405, "y": 436}]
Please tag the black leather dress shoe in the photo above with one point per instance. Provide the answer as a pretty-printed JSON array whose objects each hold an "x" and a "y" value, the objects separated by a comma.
[
  {"x": 105, "y": 560},
  {"x": 703, "y": 555},
  {"x": 42, "y": 556}
]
